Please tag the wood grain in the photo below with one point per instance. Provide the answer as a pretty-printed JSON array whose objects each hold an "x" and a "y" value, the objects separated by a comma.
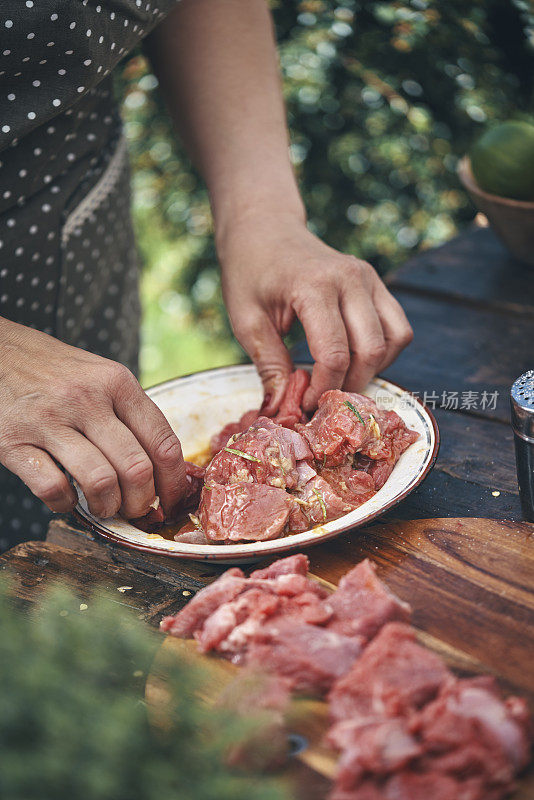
[
  {"x": 471, "y": 586},
  {"x": 463, "y": 349},
  {"x": 470, "y": 583},
  {"x": 474, "y": 268}
]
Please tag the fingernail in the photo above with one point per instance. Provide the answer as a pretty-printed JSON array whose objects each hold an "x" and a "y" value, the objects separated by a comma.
[{"x": 110, "y": 505}]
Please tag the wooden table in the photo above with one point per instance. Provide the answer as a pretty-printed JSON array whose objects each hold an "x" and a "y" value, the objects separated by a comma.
[{"x": 472, "y": 310}]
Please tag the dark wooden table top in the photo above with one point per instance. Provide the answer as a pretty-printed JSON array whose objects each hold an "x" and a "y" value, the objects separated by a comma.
[{"x": 472, "y": 310}]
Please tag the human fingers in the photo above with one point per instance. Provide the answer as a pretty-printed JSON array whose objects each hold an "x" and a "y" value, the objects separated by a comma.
[{"x": 42, "y": 476}]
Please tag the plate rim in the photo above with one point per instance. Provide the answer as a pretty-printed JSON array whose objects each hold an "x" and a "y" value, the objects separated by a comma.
[{"x": 226, "y": 556}]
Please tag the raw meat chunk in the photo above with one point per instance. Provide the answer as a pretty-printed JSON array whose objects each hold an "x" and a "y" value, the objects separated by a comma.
[
  {"x": 289, "y": 413},
  {"x": 393, "y": 677},
  {"x": 468, "y": 728},
  {"x": 151, "y": 521},
  {"x": 379, "y": 748},
  {"x": 198, "y": 609},
  {"x": 156, "y": 516},
  {"x": 265, "y": 453},
  {"x": 252, "y": 606},
  {"x": 362, "y": 604},
  {"x": 354, "y": 486},
  {"x": 310, "y": 656},
  {"x": 317, "y": 504},
  {"x": 265, "y": 699},
  {"x": 243, "y": 512},
  {"x": 221, "y": 439},
  {"x": 346, "y": 423},
  {"x": 190, "y": 534},
  {"x": 233, "y": 627},
  {"x": 227, "y": 614},
  {"x": 296, "y": 565}
]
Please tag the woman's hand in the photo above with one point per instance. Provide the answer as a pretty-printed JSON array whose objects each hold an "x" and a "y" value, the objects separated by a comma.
[
  {"x": 273, "y": 269},
  {"x": 62, "y": 405}
]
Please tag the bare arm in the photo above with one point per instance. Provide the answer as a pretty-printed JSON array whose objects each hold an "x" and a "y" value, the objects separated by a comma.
[{"x": 216, "y": 62}]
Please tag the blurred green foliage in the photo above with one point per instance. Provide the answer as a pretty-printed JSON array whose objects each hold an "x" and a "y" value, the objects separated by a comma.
[
  {"x": 73, "y": 721},
  {"x": 383, "y": 98}
]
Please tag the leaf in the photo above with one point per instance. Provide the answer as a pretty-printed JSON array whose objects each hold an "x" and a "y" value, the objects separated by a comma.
[
  {"x": 354, "y": 410},
  {"x": 247, "y": 456}
]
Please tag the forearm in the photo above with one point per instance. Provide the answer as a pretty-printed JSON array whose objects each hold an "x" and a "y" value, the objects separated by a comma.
[{"x": 217, "y": 66}]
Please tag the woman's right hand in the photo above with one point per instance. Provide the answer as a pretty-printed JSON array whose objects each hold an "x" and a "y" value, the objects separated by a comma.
[{"x": 62, "y": 405}]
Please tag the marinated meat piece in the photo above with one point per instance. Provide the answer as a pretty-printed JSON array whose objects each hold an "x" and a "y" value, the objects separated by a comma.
[
  {"x": 317, "y": 504},
  {"x": 265, "y": 453},
  {"x": 289, "y": 413},
  {"x": 221, "y": 439},
  {"x": 310, "y": 656},
  {"x": 195, "y": 481},
  {"x": 156, "y": 516},
  {"x": 198, "y": 609},
  {"x": 243, "y": 512},
  {"x": 469, "y": 729},
  {"x": 362, "y": 603},
  {"x": 379, "y": 471},
  {"x": 190, "y": 534},
  {"x": 347, "y": 423},
  {"x": 152, "y": 521},
  {"x": 354, "y": 486},
  {"x": 393, "y": 677},
  {"x": 343, "y": 424}
]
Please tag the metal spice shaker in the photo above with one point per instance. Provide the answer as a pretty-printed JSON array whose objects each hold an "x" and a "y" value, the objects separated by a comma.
[{"x": 522, "y": 403}]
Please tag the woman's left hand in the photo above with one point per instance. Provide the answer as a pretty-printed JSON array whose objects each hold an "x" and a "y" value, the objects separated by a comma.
[{"x": 275, "y": 269}]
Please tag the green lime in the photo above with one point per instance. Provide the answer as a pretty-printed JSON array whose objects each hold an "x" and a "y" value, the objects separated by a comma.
[{"x": 502, "y": 160}]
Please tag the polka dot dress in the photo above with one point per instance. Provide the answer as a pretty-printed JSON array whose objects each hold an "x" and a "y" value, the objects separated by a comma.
[{"x": 67, "y": 254}]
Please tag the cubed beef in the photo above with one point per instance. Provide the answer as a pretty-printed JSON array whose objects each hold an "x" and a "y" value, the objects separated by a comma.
[
  {"x": 265, "y": 453},
  {"x": 317, "y": 504},
  {"x": 310, "y": 656},
  {"x": 362, "y": 603},
  {"x": 343, "y": 424},
  {"x": 289, "y": 413},
  {"x": 393, "y": 677},
  {"x": 346, "y": 423},
  {"x": 244, "y": 512},
  {"x": 220, "y": 439},
  {"x": 198, "y": 609},
  {"x": 292, "y": 565},
  {"x": 377, "y": 748},
  {"x": 469, "y": 728},
  {"x": 354, "y": 486}
]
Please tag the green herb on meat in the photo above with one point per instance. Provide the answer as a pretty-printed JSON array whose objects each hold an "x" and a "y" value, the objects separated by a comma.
[
  {"x": 243, "y": 455},
  {"x": 321, "y": 503},
  {"x": 354, "y": 410}
]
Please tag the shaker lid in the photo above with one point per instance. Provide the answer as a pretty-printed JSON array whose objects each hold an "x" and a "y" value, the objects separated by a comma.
[{"x": 522, "y": 402}]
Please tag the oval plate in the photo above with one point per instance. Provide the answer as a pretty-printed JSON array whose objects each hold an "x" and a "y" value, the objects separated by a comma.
[{"x": 199, "y": 405}]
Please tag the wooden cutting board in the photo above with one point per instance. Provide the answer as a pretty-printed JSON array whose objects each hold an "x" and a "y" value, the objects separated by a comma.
[{"x": 470, "y": 583}]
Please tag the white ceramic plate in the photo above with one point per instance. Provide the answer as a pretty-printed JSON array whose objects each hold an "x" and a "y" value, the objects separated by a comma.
[{"x": 199, "y": 405}]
